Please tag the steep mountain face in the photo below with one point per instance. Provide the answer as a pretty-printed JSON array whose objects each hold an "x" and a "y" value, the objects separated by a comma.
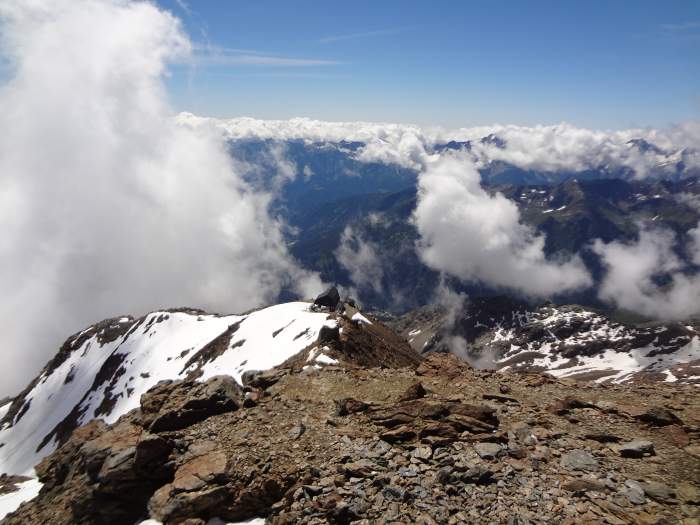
[
  {"x": 102, "y": 371},
  {"x": 438, "y": 442},
  {"x": 565, "y": 341}
]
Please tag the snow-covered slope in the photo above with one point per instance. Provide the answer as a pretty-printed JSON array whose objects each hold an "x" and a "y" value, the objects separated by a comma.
[
  {"x": 102, "y": 371},
  {"x": 565, "y": 341}
]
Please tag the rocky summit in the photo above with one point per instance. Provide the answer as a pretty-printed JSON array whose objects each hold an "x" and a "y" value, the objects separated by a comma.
[{"x": 356, "y": 427}]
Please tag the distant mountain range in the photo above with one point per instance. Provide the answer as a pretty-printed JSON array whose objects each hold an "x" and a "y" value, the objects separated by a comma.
[{"x": 330, "y": 193}]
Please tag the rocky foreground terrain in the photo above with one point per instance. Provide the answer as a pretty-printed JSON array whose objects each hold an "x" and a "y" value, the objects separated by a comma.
[{"x": 434, "y": 441}]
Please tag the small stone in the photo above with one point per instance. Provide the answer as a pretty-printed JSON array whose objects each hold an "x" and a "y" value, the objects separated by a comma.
[
  {"x": 688, "y": 493},
  {"x": 636, "y": 449},
  {"x": 488, "y": 450},
  {"x": 297, "y": 431},
  {"x": 634, "y": 492},
  {"x": 603, "y": 438},
  {"x": 415, "y": 391},
  {"x": 658, "y": 491},
  {"x": 422, "y": 453},
  {"x": 693, "y": 450},
  {"x": 583, "y": 485},
  {"x": 407, "y": 472},
  {"x": 348, "y": 405},
  {"x": 443, "y": 475},
  {"x": 579, "y": 460},
  {"x": 392, "y": 492},
  {"x": 500, "y": 398}
]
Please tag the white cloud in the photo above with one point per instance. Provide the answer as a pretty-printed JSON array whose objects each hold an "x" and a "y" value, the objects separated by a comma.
[
  {"x": 560, "y": 147},
  {"x": 469, "y": 234},
  {"x": 361, "y": 259},
  {"x": 632, "y": 267},
  {"x": 400, "y": 144},
  {"x": 106, "y": 205}
]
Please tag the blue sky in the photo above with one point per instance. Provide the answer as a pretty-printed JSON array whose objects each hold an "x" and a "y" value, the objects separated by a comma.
[{"x": 600, "y": 64}]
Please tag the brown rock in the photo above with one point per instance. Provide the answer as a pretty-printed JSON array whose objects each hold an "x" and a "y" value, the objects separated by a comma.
[
  {"x": 441, "y": 364},
  {"x": 583, "y": 485},
  {"x": 688, "y": 493},
  {"x": 348, "y": 405},
  {"x": 676, "y": 435},
  {"x": 169, "y": 506},
  {"x": 401, "y": 433},
  {"x": 564, "y": 406},
  {"x": 172, "y": 405},
  {"x": 500, "y": 398},
  {"x": 415, "y": 391},
  {"x": 659, "y": 417}
]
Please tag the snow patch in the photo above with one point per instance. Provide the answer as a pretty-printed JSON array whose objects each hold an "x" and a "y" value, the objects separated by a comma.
[
  {"x": 26, "y": 491},
  {"x": 359, "y": 318}
]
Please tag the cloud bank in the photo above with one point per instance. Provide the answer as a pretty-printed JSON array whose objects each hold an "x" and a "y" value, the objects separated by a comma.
[
  {"x": 470, "y": 234},
  {"x": 560, "y": 147},
  {"x": 107, "y": 205},
  {"x": 632, "y": 269}
]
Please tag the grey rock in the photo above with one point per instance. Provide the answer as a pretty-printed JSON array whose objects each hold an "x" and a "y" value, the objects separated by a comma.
[
  {"x": 443, "y": 475},
  {"x": 658, "y": 491},
  {"x": 394, "y": 493},
  {"x": 579, "y": 460},
  {"x": 636, "y": 449},
  {"x": 634, "y": 492},
  {"x": 422, "y": 453},
  {"x": 488, "y": 450},
  {"x": 297, "y": 431}
]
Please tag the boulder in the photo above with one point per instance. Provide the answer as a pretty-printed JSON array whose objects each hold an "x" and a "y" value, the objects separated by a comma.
[
  {"x": 658, "y": 491},
  {"x": 348, "y": 405},
  {"x": 579, "y": 460},
  {"x": 687, "y": 493},
  {"x": 175, "y": 405},
  {"x": 415, "y": 391},
  {"x": 658, "y": 417},
  {"x": 329, "y": 298},
  {"x": 261, "y": 379},
  {"x": 636, "y": 449},
  {"x": 328, "y": 334},
  {"x": 583, "y": 485},
  {"x": 197, "y": 488},
  {"x": 488, "y": 450}
]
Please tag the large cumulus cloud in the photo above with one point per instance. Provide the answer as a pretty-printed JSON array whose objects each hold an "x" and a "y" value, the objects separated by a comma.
[
  {"x": 632, "y": 280},
  {"x": 470, "y": 234},
  {"x": 106, "y": 205}
]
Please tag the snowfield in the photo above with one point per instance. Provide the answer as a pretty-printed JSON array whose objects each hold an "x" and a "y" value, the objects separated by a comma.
[
  {"x": 27, "y": 490},
  {"x": 161, "y": 345}
]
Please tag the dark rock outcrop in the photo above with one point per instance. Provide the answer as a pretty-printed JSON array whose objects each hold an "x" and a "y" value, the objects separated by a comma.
[
  {"x": 329, "y": 298},
  {"x": 172, "y": 405}
]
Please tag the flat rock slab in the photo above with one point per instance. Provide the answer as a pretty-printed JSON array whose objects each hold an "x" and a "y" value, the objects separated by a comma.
[{"x": 579, "y": 460}]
